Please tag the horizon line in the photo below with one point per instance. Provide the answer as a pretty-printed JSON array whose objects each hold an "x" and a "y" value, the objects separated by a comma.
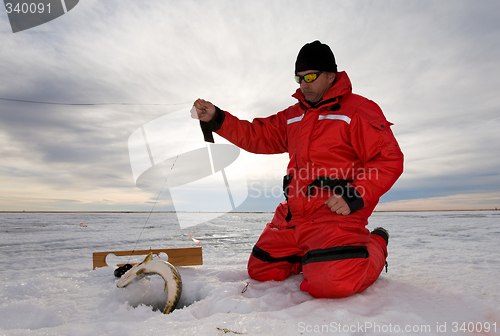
[{"x": 171, "y": 211}]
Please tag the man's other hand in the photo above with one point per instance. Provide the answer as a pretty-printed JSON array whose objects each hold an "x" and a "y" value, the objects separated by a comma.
[{"x": 337, "y": 204}]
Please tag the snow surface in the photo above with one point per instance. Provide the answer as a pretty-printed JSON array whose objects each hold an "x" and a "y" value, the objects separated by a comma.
[{"x": 444, "y": 269}]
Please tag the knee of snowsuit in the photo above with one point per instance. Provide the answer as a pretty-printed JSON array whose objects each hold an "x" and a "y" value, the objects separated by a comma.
[{"x": 337, "y": 258}]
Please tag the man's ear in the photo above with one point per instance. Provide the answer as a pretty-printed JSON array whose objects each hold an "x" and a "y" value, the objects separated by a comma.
[{"x": 331, "y": 77}]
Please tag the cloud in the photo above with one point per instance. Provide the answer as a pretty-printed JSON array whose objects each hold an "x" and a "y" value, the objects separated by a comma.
[{"x": 430, "y": 65}]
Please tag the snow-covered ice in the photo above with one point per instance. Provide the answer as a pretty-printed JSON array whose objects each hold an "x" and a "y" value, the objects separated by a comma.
[{"x": 443, "y": 279}]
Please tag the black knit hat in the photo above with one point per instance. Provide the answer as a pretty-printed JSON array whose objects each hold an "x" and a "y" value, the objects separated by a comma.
[{"x": 315, "y": 56}]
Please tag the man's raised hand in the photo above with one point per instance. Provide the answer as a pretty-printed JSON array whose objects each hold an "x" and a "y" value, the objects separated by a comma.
[{"x": 205, "y": 110}]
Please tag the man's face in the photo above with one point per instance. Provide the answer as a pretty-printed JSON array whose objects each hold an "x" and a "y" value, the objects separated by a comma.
[{"x": 314, "y": 91}]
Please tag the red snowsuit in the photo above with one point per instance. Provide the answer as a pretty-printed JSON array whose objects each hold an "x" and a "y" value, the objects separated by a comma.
[{"x": 344, "y": 145}]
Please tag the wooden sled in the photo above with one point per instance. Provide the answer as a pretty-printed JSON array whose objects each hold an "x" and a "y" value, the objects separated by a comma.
[{"x": 187, "y": 256}]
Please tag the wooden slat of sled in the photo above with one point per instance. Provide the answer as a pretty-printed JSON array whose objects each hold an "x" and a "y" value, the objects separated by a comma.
[{"x": 188, "y": 256}]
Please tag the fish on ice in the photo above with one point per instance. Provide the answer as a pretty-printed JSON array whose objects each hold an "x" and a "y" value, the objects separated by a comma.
[{"x": 170, "y": 274}]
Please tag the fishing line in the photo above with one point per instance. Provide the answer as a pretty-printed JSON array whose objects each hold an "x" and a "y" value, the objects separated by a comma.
[
  {"x": 125, "y": 104},
  {"x": 87, "y": 104},
  {"x": 161, "y": 190}
]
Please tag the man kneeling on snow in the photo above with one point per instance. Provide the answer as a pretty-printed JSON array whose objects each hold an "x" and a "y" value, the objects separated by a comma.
[{"x": 343, "y": 158}]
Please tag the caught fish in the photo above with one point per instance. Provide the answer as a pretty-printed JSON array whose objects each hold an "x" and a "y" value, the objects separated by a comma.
[{"x": 173, "y": 282}]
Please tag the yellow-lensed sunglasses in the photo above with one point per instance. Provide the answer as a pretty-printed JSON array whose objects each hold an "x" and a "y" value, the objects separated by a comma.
[{"x": 310, "y": 77}]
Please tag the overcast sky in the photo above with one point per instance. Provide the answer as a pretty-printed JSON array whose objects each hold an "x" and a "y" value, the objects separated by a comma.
[{"x": 432, "y": 66}]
